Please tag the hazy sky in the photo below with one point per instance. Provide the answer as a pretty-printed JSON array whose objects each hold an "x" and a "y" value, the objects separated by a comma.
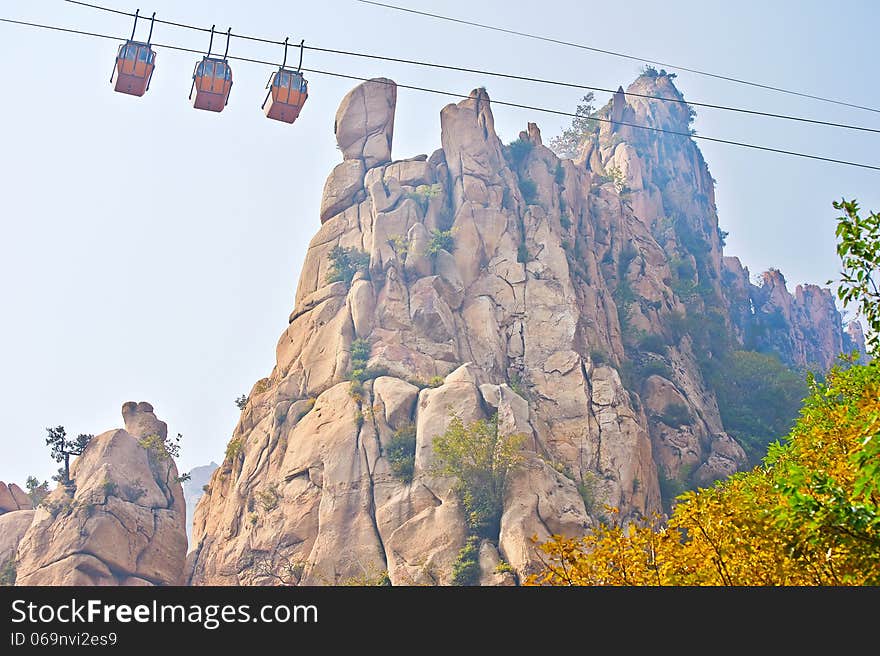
[{"x": 145, "y": 254}]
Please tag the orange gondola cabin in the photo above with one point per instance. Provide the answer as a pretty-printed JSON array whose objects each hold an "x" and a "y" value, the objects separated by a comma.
[
  {"x": 212, "y": 82},
  {"x": 134, "y": 65},
  {"x": 288, "y": 92},
  {"x": 212, "y": 79}
]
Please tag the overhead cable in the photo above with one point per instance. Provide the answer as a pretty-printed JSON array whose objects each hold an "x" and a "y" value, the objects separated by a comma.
[
  {"x": 461, "y": 95},
  {"x": 511, "y": 76}
]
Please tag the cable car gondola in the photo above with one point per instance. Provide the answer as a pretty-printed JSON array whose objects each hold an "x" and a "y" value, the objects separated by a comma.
[
  {"x": 134, "y": 65},
  {"x": 288, "y": 91},
  {"x": 212, "y": 79}
]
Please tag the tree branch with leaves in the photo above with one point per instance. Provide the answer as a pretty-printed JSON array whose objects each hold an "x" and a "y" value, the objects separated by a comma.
[
  {"x": 62, "y": 448},
  {"x": 568, "y": 143},
  {"x": 859, "y": 250}
]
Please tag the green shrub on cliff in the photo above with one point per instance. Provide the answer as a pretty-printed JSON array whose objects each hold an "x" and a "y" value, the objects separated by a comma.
[
  {"x": 401, "y": 452},
  {"x": 345, "y": 263},
  {"x": 479, "y": 459}
]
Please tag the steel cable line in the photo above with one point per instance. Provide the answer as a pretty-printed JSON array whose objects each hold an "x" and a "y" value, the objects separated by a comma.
[
  {"x": 460, "y": 95},
  {"x": 619, "y": 54},
  {"x": 511, "y": 76}
]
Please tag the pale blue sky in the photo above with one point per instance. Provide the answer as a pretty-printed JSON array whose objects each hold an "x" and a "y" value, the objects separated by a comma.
[{"x": 147, "y": 253}]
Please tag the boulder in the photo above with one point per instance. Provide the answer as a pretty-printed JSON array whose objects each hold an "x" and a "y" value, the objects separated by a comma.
[
  {"x": 411, "y": 172},
  {"x": 141, "y": 421},
  {"x": 362, "y": 305},
  {"x": 365, "y": 122},
  {"x": 539, "y": 502},
  {"x": 398, "y": 399},
  {"x": 492, "y": 571}
]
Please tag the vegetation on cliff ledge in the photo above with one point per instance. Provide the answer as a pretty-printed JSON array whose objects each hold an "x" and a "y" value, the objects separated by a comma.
[
  {"x": 345, "y": 263},
  {"x": 479, "y": 458}
]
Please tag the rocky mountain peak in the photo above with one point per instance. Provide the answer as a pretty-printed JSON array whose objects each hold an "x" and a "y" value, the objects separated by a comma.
[
  {"x": 674, "y": 116},
  {"x": 579, "y": 302},
  {"x": 854, "y": 340}
]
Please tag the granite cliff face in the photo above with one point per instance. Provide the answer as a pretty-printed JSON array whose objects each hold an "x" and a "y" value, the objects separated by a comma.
[
  {"x": 120, "y": 521},
  {"x": 577, "y": 300}
]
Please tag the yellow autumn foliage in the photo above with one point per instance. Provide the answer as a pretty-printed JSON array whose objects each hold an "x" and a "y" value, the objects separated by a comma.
[{"x": 810, "y": 515}]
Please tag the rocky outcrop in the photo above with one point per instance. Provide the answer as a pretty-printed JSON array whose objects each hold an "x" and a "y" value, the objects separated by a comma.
[
  {"x": 577, "y": 301},
  {"x": 666, "y": 182},
  {"x": 16, "y": 515},
  {"x": 476, "y": 282},
  {"x": 13, "y": 498},
  {"x": 365, "y": 122},
  {"x": 119, "y": 522},
  {"x": 343, "y": 188},
  {"x": 804, "y": 329}
]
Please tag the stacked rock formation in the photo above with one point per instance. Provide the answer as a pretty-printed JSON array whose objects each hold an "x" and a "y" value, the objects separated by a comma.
[{"x": 486, "y": 280}]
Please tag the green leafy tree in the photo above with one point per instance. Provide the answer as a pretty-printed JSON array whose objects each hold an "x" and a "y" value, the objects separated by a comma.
[
  {"x": 759, "y": 398},
  {"x": 162, "y": 453},
  {"x": 517, "y": 151},
  {"x": 36, "y": 490},
  {"x": 441, "y": 240},
  {"x": 424, "y": 193},
  {"x": 859, "y": 250},
  {"x": 828, "y": 473},
  {"x": 466, "y": 568},
  {"x": 675, "y": 415},
  {"x": 480, "y": 460},
  {"x": 584, "y": 124}
]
